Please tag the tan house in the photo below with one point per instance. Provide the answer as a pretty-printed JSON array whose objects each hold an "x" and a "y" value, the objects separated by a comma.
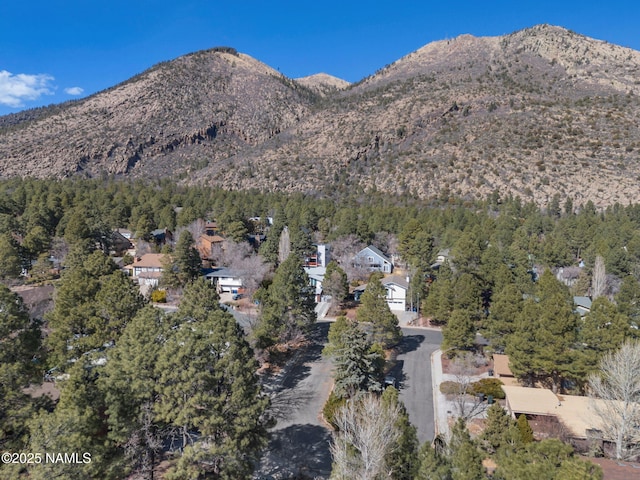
[
  {"x": 206, "y": 243},
  {"x": 575, "y": 413},
  {"x": 502, "y": 371},
  {"x": 147, "y": 269}
]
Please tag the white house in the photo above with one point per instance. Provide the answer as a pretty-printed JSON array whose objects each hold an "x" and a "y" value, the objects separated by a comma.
[
  {"x": 226, "y": 280},
  {"x": 396, "y": 287},
  {"x": 373, "y": 260},
  {"x": 147, "y": 269},
  {"x": 316, "y": 277},
  {"x": 442, "y": 257}
]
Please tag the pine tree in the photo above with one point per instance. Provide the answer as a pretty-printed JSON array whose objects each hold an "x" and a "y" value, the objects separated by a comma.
[
  {"x": 198, "y": 298},
  {"x": 335, "y": 337},
  {"x": 466, "y": 461},
  {"x": 375, "y": 310},
  {"x": 357, "y": 367},
  {"x": 433, "y": 465},
  {"x": 288, "y": 310},
  {"x": 500, "y": 431},
  {"x": 208, "y": 385},
  {"x": 77, "y": 424},
  {"x": 522, "y": 345},
  {"x": 129, "y": 384},
  {"x": 526, "y": 432},
  {"x": 185, "y": 262},
  {"x": 501, "y": 322},
  {"x": 459, "y": 333},
  {"x": 20, "y": 343},
  {"x": 603, "y": 329},
  {"x": 556, "y": 333},
  {"x": 415, "y": 245},
  {"x": 93, "y": 303},
  {"x": 335, "y": 283},
  {"x": 628, "y": 300},
  {"x": 10, "y": 265},
  {"x": 439, "y": 302}
]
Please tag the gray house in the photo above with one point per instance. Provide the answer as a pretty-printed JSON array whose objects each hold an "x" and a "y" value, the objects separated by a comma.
[{"x": 373, "y": 260}]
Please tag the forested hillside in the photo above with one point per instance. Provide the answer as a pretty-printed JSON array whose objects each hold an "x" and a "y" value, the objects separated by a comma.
[{"x": 511, "y": 274}]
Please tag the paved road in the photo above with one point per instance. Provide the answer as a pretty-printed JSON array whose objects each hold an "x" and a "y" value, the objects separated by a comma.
[
  {"x": 414, "y": 373},
  {"x": 300, "y": 442}
]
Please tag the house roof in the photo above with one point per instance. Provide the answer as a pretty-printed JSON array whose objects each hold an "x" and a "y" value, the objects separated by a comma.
[
  {"x": 575, "y": 412},
  {"x": 224, "y": 272},
  {"x": 532, "y": 401},
  {"x": 126, "y": 233},
  {"x": 501, "y": 365},
  {"x": 374, "y": 250},
  {"x": 149, "y": 260},
  {"x": 583, "y": 305},
  {"x": 212, "y": 238},
  {"x": 396, "y": 280}
]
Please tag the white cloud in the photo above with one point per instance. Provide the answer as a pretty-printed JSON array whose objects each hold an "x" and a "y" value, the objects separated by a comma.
[
  {"x": 14, "y": 89},
  {"x": 74, "y": 91}
]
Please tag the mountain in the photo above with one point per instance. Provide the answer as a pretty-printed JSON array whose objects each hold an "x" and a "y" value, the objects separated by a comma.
[
  {"x": 323, "y": 83},
  {"x": 539, "y": 112},
  {"x": 173, "y": 118}
]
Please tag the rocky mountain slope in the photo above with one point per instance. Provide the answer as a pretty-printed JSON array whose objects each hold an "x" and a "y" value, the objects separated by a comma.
[
  {"x": 172, "y": 119},
  {"x": 535, "y": 113}
]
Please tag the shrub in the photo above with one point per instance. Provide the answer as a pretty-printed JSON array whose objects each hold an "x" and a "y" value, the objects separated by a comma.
[
  {"x": 450, "y": 388},
  {"x": 159, "y": 296},
  {"x": 331, "y": 407},
  {"x": 488, "y": 386}
]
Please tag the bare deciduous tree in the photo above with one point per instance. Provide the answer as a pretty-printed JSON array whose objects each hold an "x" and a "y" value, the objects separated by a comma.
[
  {"x": 284, "y": 245},
  {"x": 598, "y": 279},
  {"x": 196, "y": 228},
  {"x": 241, "y": 258},
  {"x": 615, "y": 393},
  {"x": 387, "y": 242},
  {"x": 343, "y": 250},
  {"x": 467, "y": 405},
  {"x": 367, "y": 432}
]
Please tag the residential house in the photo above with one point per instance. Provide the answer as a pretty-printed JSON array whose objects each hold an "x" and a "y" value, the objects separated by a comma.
[
  {"x": 502, "y": 371},
  {"x": 162, "y": 236},
  {"x": 574, "y": 413},
  {"x": 120, "y": 242},
  {"x": 396, "y": 287},
  {"x": 211, "y": 228},
  {"x": 442, "y": 257},
  {"x": 320, "y": 258},
  {"x": 226, "y": 280},
  {"x": 206, "y": 243},
  {"x": 582, "y": 304},
  {"x": 316, "y": 277},
  {"x": 147, "y": 269},
  {"x": 373, "y": 260}
]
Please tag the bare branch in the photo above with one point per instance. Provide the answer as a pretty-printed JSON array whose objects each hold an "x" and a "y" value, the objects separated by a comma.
[{"x": 615, "y": 393}]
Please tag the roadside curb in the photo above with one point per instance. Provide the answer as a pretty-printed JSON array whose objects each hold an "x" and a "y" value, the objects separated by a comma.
[{"x": 434, "y": 386}]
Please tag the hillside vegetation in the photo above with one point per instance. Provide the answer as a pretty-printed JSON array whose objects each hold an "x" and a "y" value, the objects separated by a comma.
[{"x": 534, "y": 113}]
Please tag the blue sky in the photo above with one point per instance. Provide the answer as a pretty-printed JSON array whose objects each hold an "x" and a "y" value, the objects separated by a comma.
[{"x": 54, "y": 51}]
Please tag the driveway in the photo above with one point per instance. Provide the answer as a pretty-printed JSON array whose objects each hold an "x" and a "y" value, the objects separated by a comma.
[{"x": 299, "y": 443}]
